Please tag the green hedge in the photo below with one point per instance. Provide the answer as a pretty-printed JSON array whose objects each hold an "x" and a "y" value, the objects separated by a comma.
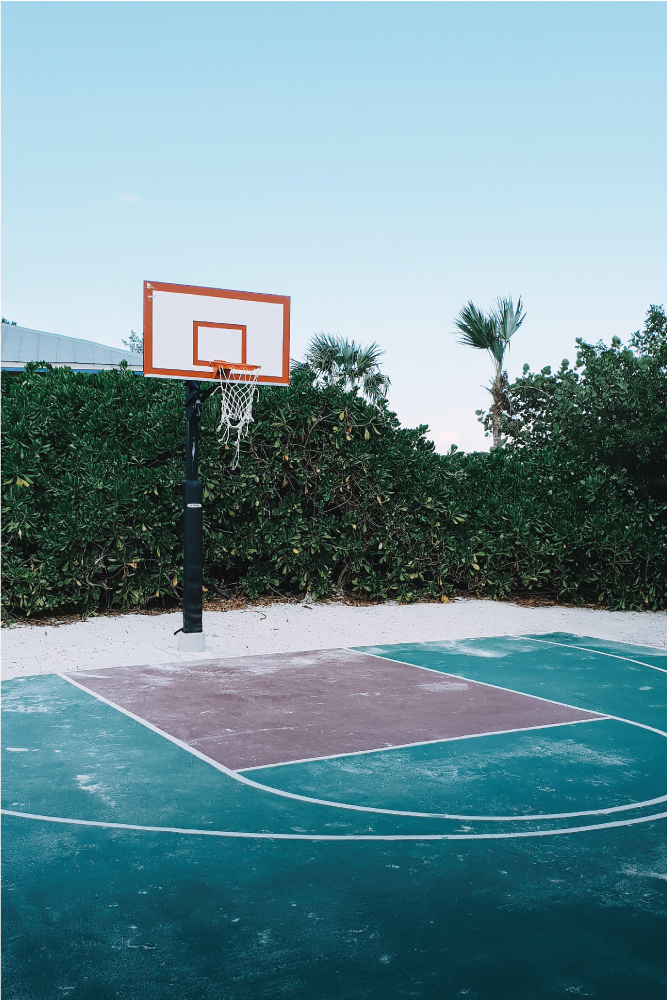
[{"x": 330, "y": 493}]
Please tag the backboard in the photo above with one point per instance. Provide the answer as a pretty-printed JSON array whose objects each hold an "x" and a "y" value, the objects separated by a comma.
[{"x": 188, "y": 329}]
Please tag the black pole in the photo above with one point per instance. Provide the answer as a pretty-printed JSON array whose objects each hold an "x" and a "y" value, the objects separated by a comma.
[{"x": 193, "y": 541}]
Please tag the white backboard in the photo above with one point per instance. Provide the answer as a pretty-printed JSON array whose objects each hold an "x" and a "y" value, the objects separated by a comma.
[{"x": 188, "y": 328}]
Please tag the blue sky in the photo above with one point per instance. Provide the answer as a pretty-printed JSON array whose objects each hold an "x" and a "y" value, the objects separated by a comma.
[{"x": 382, "y": 163}]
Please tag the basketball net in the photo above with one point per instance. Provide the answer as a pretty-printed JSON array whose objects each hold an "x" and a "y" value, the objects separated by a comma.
[{"x": 238, "y": 388}]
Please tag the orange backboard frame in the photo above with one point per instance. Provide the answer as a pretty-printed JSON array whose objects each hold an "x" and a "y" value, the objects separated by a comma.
[{"x": 197, "y": 372}]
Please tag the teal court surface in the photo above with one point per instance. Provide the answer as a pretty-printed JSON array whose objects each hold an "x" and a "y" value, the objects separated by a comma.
[{"x": 480, "y": 818}]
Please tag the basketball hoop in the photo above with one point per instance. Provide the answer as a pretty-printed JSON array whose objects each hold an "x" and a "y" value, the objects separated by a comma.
[
  {"x": 238, "y": 387},
  {"x": 183, "y": 326}
]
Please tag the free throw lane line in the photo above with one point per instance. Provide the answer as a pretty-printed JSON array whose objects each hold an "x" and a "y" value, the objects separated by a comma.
[{"x": 420, "y": 743}]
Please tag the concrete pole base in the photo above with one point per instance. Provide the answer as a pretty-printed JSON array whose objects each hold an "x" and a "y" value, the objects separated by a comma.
[{"x": 191, "y": 642}]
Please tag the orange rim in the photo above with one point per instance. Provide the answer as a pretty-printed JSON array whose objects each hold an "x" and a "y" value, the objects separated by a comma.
[{"x": 228, "y": 366}]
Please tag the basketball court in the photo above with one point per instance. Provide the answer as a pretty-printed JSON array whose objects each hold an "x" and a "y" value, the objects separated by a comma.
[{"x": 462, "y": 818}]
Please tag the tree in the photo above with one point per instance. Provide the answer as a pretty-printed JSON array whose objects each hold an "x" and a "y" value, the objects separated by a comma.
[
  {"x": 611, "y": 406},
  {"x": 135, "y": 343},
  {"x": 653, "y": 338},
  {"x": 492, "y": 333},
  {"x": 334, "y": 360}
]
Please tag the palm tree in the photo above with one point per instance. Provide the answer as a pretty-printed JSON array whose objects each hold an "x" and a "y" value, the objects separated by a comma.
[
  {"x": 337, "y": 361},
  {"x": 492, "y": 333}
]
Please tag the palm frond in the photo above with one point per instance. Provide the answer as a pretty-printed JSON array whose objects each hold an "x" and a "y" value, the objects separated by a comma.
[
  {"x": 367, "y": 359},
  {"x": 323, "y": 353},
  {"x": 336, "y": 360},
  {"x": 476, "y": 329},
  {"x": 508, "y": 319},
  {"x": 375, "y": 386},
  {"x": 490, "y": 333}
]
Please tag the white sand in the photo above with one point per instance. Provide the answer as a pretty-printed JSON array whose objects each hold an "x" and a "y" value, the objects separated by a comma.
[{"x": 141, "y": 639}]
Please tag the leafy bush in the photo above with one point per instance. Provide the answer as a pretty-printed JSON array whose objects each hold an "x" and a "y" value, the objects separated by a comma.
[
  {"x": 90, "y": 504},
  {"x": 551, "y": 521},
  {"x": 330, "y": 493}
]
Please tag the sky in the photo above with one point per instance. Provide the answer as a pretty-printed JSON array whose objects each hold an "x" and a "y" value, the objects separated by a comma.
[{"x": 381, "y": 163}]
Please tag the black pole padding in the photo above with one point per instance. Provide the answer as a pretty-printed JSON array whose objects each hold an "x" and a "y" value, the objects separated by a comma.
[
  {"x": 193, "y": 537},
  {"x": 193, "y": 554}
]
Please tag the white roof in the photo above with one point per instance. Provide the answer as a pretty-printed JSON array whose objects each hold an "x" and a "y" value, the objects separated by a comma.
[{"x": 21, "y": 345}]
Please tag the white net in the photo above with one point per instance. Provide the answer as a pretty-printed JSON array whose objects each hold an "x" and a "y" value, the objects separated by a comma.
[{"x": 238, "y": 387}]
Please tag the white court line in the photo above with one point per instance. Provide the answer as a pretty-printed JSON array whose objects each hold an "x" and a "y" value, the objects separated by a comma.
[
  {"x": 237, "y": 776},
  {"x": 597, "y": 638},
  {"x": 587, "y": 649},
  {"x": 421, "y": 743},
  {"x": 335, "y": 837}
]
